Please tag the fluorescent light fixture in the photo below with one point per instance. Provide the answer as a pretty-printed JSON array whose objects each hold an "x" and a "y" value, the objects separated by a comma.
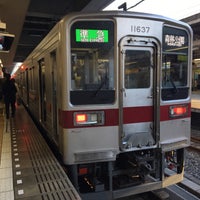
[
  {"x": 16, "y": 67},
  {"x": 197, "y": 60}
]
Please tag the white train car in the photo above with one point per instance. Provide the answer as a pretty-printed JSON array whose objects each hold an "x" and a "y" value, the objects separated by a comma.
[{"x": 113, "y": 91}]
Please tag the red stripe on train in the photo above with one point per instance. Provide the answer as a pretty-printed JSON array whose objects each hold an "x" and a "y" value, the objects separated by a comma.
[{"x": 130, "y": 115}]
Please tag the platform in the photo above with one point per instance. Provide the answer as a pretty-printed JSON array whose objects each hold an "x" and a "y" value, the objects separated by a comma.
[
  {"x": 195, "y": 103},
  {"x": 28, "y": 168}
]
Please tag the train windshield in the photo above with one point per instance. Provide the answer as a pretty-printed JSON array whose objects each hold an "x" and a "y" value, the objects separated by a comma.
[
  {"x": 175, "y": 83},
  {"x": 92, "y": 63}
]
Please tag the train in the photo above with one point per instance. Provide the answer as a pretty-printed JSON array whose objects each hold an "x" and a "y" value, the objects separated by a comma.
[{"x": 112, "y": 90}]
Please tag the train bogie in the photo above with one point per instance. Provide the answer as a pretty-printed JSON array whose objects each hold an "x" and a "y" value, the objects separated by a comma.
[{"x": 112, "y": 90}]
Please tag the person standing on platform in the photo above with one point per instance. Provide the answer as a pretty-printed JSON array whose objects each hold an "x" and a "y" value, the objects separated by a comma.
[{"x": 9, "y": 91}]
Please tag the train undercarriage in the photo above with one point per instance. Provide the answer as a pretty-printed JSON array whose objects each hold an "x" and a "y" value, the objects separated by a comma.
[{"x": 130, "y": 170}]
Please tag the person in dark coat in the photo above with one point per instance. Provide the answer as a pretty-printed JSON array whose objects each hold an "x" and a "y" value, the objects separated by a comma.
[{"x": 9, "y": 91}]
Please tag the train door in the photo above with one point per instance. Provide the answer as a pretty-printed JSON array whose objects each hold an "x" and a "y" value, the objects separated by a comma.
[
  {"x": 27, "y": 86},
  {"x": 137, "y": 105},
  {"x": 54, "y": 95},
  {"x": 42, "y": 90}
]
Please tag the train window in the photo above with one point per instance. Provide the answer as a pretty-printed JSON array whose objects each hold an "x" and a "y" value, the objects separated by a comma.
[
  {"x": 92, "y": 68},
  {"x": 31, "y": 84},
  {"x": 175, "y": 64},
  {"x": 137, "y": 69},
  {"x": 174, "y": 70}
]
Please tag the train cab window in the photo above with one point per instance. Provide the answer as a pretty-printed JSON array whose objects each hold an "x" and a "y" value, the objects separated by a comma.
[
  {"x": 175, "y": 79},
  {"x": 92, "y": 63},
  {"x": 174, "y": 71},
  {"x": 91, "y": 69}
]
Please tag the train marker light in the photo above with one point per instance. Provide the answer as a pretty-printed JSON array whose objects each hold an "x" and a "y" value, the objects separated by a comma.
[
  {"x": 81, "y": 118},
  {"x": 178, "y": 111},
  {"x": 89, "y": 118}
]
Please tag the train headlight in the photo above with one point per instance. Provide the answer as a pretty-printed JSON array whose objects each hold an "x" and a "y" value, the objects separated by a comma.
[
  {"x": 178, "y": 111},
  {"x": 88, "y": 118}
]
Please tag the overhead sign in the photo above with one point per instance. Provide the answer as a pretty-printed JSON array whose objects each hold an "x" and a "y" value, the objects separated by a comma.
[{"x": 6, "y": 41}]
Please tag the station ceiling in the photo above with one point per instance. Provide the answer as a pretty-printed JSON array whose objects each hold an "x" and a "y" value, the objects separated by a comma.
[
  {"x": 194, "y": 22},
  {"x": 31, "y": 20}
]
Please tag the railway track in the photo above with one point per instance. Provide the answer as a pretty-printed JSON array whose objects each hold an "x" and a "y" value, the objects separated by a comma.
[
  {"x": 195, "y": 139},
  {"x": 174, "y": 192}
]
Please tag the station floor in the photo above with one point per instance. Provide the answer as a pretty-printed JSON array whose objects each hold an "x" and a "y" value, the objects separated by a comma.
[
  {"x": 6, "y": 176},
  {"x": 28, "y": 169}
]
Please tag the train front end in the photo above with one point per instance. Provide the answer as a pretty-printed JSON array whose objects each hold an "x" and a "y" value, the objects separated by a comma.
[{"x": 126, "y": 120}]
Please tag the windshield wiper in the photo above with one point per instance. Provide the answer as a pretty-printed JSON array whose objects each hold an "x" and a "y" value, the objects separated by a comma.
[
  {"x": 101, "y": 85},
  {"x": 174, "y": 86}
]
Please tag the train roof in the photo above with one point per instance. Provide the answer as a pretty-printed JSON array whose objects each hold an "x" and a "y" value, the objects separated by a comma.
[
  {"x": 102, "y": 14},
  {"x": 113, "y": 14}
]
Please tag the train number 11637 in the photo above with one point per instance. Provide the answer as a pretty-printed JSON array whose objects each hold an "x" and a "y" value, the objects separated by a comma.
[{"x": 140, "y": 29}]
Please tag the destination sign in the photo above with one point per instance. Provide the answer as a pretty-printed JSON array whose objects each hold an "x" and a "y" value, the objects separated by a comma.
[
  {"x": 174, "y": 40},
  {"x": 92, "y": 35}
]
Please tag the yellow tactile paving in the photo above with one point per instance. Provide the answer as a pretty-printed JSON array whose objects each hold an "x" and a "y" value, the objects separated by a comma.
[{"x": 6, "y": 176}]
